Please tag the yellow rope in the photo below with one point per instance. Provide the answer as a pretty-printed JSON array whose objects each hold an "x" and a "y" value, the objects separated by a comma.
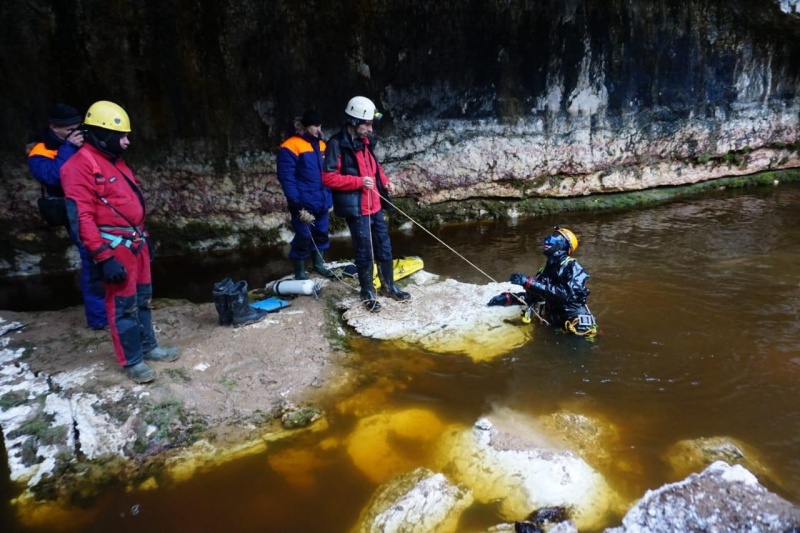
[{"x": 569, "y": 326}]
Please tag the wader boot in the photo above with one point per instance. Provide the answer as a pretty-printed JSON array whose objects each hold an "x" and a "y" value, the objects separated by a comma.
[
  {"x": 300, "y": 269},
  {"x": 368, "y": 298},
  {"x": 388, "y": 288},
  {"x": 219, "y": 293},
  {"x": 242, "y": 313},
  {"x": 319, "y": 265}
]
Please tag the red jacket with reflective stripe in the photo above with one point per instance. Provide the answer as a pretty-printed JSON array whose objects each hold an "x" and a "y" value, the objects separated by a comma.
[
  {"x": 89, "y": 175},
  {"x": 347, "y": 162}
]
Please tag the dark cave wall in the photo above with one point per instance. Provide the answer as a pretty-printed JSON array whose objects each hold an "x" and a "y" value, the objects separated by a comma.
[
  {"x": 508, "y": 100},
  {"x": 217, "y": 78}
]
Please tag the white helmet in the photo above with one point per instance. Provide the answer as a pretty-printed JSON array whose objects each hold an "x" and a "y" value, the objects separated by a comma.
[{"x": 361, "y": 108}]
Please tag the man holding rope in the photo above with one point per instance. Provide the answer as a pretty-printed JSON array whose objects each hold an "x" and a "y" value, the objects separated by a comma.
[{"x": 358, "y": 183}]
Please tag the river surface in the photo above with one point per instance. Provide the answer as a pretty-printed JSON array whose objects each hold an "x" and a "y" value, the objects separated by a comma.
[{"x": 698, "y": 301}]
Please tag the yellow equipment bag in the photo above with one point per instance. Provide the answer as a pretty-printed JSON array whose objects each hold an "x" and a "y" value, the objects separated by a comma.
[{"x": 403, "y": 267}]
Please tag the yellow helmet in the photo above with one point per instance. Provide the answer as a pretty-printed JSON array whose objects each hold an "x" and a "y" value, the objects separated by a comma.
[
  {"x": 109, "y": 116},
  {"x": 571, "y": 238}
]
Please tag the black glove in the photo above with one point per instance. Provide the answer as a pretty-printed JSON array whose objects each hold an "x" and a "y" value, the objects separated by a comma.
[
  {"x": 294, "y": 209},
  {"x": 503, "y": 299},
  {"x": 113, "y": 271},
  {"x": 519, "y": 279},
  {"x": 536, "y": 286},
  {"x": 151, "y": 248}
]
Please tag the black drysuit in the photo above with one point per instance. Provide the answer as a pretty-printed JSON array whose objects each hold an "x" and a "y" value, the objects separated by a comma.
[{"x": 560, "y": 286}]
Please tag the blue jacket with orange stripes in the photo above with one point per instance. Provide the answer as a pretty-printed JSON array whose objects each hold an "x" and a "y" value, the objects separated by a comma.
[
  {"x": 46, "y": 159},
  {"x": 300, "y": 173}
]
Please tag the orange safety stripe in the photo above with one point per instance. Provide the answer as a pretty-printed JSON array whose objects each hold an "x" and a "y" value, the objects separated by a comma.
[
  {"x": 299, "y": 145},
  {"x": 40, "y": 149}
]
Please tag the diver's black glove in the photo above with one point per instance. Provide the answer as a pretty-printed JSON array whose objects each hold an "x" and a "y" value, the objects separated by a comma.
[
  {"x": 508, "y": 298},
  {"x": 536, "y": 286},
  {"x": 113, "y": 271},
  {"x": 501, "y": 299},
  {"x": 519, "y": 279}
]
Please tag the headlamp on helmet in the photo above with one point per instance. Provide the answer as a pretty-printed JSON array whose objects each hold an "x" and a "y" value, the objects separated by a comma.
[{"x": 361, "y": 109}]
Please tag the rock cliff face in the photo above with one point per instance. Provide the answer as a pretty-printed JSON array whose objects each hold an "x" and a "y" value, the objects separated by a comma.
[{"x": 507, "y": 99}]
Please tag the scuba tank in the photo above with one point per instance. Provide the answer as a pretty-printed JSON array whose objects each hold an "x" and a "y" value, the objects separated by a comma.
[{"x": 287, "y": 287}]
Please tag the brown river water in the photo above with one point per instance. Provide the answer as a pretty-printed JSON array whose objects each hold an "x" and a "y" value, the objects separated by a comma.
[{"x": 698, "y": 301}]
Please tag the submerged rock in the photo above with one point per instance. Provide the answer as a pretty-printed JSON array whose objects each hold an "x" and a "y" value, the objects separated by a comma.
[
  {"x": 721, "y": 498},
  {"x": 692, "y": 455},
  {"x": 384, "y": 445},
  {"x": 420, "y": 501},
  {"x": 593, "y": 437},
  {"x": 522, "y": 475}
]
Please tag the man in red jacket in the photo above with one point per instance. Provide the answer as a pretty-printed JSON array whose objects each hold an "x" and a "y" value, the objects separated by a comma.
[
  {"x": 106, "y": 205},
  {"x": 358, "y": 182}
]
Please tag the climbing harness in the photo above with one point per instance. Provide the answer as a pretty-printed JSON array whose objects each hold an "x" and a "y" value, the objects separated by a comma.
[{"x": 132, "y": 236}]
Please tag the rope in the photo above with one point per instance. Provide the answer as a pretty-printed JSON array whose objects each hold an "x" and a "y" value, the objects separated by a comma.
[
  {"x": 335, "y": 275},
  {"x": 526, "y": 314},
  {"x": 570, "y": 327},
  {"x": 590, "y": 334},
  {"x": 423, "y": 228},
  {"x": 369, "y": 219}
]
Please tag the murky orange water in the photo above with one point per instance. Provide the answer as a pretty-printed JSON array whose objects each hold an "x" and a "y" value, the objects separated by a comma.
[{"x": 698, "y": 301}]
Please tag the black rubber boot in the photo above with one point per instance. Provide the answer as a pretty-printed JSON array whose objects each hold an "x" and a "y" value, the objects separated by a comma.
[
  {"x": 319, "y": 265},
  {"x": 241, "y": 311},
  {"x": 219, "y": 294},
  {"x": 388, "y": 288},
  {"x": 368, "y": 298},
  {"x": 300, "y": 269}
]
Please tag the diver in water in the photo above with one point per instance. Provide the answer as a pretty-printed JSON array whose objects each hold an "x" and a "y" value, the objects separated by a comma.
[{"x": 557, "y": 293}]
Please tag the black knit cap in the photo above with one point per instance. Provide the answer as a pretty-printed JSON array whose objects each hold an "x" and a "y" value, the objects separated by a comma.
[
  {"x": 64, "y": 115},
  {"x": 311, "y": 118}
]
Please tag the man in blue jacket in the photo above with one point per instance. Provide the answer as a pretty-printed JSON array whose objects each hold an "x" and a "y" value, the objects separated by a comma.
[
  {"x": 300, "y": 173},
  {"x": 60, "y": 141}
]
